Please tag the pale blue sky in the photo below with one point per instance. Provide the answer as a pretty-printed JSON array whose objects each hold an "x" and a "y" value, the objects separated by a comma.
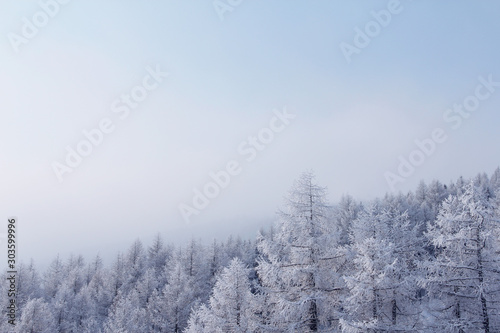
[{"x": 226, "y": 78}]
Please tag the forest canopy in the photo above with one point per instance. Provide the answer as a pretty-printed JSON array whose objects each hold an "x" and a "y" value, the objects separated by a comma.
[{"x": 424, "y": 261}]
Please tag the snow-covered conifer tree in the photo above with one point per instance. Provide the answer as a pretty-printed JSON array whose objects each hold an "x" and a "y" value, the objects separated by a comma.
[
  {"x": 178, "y": 298},
  {"x": 381, "y": 282},
  {"x": 231, "y": 306},
  {"x": 37, "y": 318},
  {"x": 463, "y": 280},
  {"x": 300, "y": 267}
]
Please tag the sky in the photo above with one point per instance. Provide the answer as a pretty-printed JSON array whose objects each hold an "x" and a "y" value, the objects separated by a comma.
[{"x": 374, "y": 96}]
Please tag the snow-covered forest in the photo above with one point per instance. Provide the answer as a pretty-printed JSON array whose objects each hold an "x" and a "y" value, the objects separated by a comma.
[{"x": 425, "y": 261}]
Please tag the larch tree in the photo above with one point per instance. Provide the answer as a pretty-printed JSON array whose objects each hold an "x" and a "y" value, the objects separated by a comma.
[
  {"x": 194, "y": 260},
  {"x": 495, "y": 180},
  {"x": 135, "y": 263},
  {"x": 464, "y": 279},
  {"x": 37, "y": 318},
  {"x": 159, "y": 255},
  {"x": 156, "y": 312},
  {"x": 299, "y": 267},
  {"x": 231, "y": 306},
  {"x": 100, "y": 291},
  {"x": 178, "y": 297},
  {"x": 146, "y": 285},
  {"x": 382, "y": 280},
  {"x": 118, "y": 274},
  {"x": 52, "y": 278},
  {"x": 127, "y": 315},
  {"x": 345, "y": 213},
  {"x": 28, "y": 283},
  {"x": 366, "y": 278}
]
